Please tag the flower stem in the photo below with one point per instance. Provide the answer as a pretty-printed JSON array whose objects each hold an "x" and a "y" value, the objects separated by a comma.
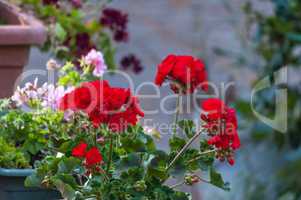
[
  {"x": 176, "y": 117},
  {"x": 177, "y": 185},
  {"x": 203, "y": 180},
  {"x": 184, "y": 149},
  {"x": 110, "y": 154},
  {"x": 200, "y": 155},
  {"x": 104, "y": 173}
]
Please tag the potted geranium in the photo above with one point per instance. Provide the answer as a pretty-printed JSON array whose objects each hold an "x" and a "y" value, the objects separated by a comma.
[{"x": 98, "y": 149}]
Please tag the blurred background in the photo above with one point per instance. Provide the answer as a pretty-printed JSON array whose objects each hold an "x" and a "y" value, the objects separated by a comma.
[{"x": 241, "y": 42}]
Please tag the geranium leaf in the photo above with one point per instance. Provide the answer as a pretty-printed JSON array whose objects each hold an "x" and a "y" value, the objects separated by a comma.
[
  {"x": 217, "y": 180},
  {"x": 188, "y": 127}
]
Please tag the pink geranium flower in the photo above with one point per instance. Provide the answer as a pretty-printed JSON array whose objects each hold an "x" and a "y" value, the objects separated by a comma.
[{"x": 96, "y": 60}]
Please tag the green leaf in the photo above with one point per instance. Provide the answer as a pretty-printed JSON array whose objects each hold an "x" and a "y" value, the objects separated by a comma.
[
  {"x": 176, "y": 143},
  {"x": 33, "y": 180},
  {"x": 157, "y": 166},
  {"x": 60, "y": 32},
  {"x": 217, "y": 180},
  {"x": 67, "y": 165},
  {"x": 126, "y": 162},
  {"x": 188, "y": 127},
  {"x": 66, "y": 190}
]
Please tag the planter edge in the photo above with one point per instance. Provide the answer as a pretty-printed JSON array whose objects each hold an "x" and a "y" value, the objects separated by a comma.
[{"x": 16, "y": 172}]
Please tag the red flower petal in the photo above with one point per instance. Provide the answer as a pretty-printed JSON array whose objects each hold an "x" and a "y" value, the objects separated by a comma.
[
  {"x": 80, "y": 150},
  {"x": 93, "y": 157}
]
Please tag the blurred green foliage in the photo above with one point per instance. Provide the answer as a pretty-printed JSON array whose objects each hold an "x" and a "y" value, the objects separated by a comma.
[{"x": 277, "y": 41}]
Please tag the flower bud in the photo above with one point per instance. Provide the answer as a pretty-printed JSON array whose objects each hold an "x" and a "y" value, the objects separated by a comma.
[
  {"x": 140, "y": 186},
  {"x": 52, "y": 65}
]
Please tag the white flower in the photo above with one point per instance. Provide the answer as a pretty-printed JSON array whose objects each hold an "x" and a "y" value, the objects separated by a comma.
[
  {"x": 48, "y": 95},
  {"x": 53, "y": 95},
  {"x": 68, "y": 114},
  {"x": 152, "y": 132},
  {"x": 96, "y": 59}
]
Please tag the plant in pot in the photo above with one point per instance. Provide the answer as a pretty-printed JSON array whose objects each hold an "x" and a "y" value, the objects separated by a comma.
[
  {"x": 72, "y": 29},
  {"x": 25, "y": 138},
  {"x": 97, "y": 149},
  {"x": 77, "y": 26}
]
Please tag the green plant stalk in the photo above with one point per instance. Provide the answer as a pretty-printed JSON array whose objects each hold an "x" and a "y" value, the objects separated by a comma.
[
  {"x": 176, "y": 117},
  {"x": 200, "y": 155},
  {"x": 187, "y": 145},
  {"x": 110, "y": 154},
  {"x": 104, "y": 173},
  {"x": 177, "y": 185}
]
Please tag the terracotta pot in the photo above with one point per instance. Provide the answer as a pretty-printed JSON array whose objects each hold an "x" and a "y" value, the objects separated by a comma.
[{"x": 19, "y": 32}]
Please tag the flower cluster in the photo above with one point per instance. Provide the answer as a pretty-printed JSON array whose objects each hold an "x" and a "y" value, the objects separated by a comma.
[
  {"x": 48, "y": 96},
  {"x": 92, "y": 156},
  {"x": 104, "y": 104},
  {"x": 221, "y": 125},
  {"x": 83, "y": 43},
  {"x": 131, "y": 61},
  {"x": 117, "y": 22},
  {"x": 99, "y": 111},
  {"x": 96, "y": 60},
  {"x": 186, "y": 73}
]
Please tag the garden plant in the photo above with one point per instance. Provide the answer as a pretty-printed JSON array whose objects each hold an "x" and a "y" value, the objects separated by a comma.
[{"x": 83, "y": 137}]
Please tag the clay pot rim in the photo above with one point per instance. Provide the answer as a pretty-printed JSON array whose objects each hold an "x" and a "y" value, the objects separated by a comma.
[{"x": 28, "y": 31}]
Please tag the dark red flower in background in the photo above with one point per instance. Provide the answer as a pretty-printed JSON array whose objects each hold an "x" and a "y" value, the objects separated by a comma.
[
  {"x": 221, "y": 125},
  {"x": 80, "y": 150},
  {"x": 131, "y": 62},
  {"x": 77, "y": 3},
  {"x": 115, "y": 107},
  {"x": 83, "y": 44},
  {"x": 117, "y": 21},
  {"x": 186, "y": 73},
  {"x": 50, "y": 2}
]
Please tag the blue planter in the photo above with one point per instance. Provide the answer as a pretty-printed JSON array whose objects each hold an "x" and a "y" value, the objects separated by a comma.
[{"x": 12, "y": 187}]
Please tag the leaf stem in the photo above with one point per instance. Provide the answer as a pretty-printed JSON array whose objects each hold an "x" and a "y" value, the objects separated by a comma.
[
  {"x": 104, "y": 173},
  {"x": 201, "y": 154},
  {"x": 177, "y": 185},
  {"x": 184, "y": 149},
  {"x": 176, "y": 117},
  {"x": 205, "y": 181}
]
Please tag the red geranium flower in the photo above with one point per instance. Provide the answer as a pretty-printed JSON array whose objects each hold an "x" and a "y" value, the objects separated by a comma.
[
  {"x": 115, "y": 107},
  {"x": 221, "y": 124},
  {"x": 186, "y": 73},
  {"x": 93, "y": 157},
  {"x": 80, "y": 150}
]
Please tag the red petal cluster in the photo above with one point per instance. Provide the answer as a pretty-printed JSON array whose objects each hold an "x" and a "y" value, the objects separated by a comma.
[
  {"x": 115, "y": 107},
  {"x": 80, "y": 150},
  {"x": 221, "y": 124},
  {"x": 92, "y": 156},
  {"x": 185, "y": 72}
]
